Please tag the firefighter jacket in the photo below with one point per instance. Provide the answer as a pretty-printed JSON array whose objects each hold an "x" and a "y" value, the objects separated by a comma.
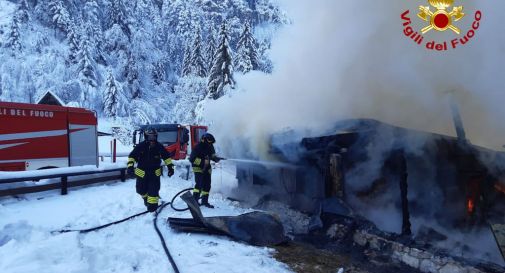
[
  {"x": 148, "y": 158},
  {"x": 202, "y": 151}
]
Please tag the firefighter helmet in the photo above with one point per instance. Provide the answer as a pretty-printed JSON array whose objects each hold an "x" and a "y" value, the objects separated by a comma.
[
  {"x": 209, "y": 138},
  {"x": 151, "y": 134}
]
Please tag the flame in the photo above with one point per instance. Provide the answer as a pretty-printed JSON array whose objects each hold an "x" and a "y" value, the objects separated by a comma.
[
  {"x": 499, "y": 187},
  {"x": 470, "y": 205}
]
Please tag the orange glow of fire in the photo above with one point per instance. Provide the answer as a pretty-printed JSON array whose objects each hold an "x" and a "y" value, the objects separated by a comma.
[
  {"x": 470, "y": 205},
  {"x": 499, "y": 187}
]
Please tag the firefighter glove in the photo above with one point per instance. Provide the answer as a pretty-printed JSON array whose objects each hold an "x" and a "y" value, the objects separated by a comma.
[
  {"x": 170, "y": 168},
  {"x": 130, "y": 171}
]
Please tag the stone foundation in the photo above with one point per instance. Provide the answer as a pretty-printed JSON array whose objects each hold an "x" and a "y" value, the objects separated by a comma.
[{"x": 371, "y": 239}]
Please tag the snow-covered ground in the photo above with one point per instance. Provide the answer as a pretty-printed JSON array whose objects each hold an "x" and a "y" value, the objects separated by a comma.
[{"x": 27, "y": 245}]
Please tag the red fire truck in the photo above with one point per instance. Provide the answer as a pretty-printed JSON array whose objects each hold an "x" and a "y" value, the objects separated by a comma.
[
  {"x": 34, "y": 137},
  {"x": 174, "y": 137}
]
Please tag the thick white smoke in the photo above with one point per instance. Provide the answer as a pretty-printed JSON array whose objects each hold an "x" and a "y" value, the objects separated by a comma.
[{"x": 350, "y": 59}]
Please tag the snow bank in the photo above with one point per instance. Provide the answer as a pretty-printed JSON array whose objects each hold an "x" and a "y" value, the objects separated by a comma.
[
  {"x": 26, "y": 244},
  {"x": 77, "y": 169}
]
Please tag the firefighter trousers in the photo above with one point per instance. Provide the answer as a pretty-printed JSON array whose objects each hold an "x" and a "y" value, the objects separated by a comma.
[
  {"x": 149, "y": 188},
  {"x": 202, "y": 183}
]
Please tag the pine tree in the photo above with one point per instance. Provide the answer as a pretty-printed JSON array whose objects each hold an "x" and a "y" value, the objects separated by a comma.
[
  {"x": 86, "y": 65},
  {"x": 243, "y": 62},
  {"x": 186, "y": 67},
  {"x": 62, "y": 20},
  {"x": 13, "y": 40},
  {"x": 132, "y": 77},
  {"x": 196, "y": 64},
  {"x": 247, "y": 52},
  {"x": 158, "y": 73},
  {"x": 73, "y": 43},
  {"x": 61, "y": 17},
  {"x": 145, "y": 10},
  {"x": 181, "y": 16},
  {"x": 111, "y": 97},
  {"x": 117, "y": 16},
  {"x": 221, "y": 73},
  {"x": 22, "y": 11},
  {"x": 210, "y": 49},
  {"x": 92, "y": 20}
]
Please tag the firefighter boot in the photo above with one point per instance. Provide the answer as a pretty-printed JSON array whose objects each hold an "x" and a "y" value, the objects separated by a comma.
[
  {"x": 152, "y": 203},
  {"x": 196, "y": 195},
  {"x": 152, "y": 207},
  {"x": 205, "y": 202}
]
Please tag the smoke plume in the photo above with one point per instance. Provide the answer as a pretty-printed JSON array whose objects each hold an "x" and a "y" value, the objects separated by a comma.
[{"x": 351, "y": 59}]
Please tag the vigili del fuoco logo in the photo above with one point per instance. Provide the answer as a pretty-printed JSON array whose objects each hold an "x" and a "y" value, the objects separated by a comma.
[{"x": 440, "y": 17}]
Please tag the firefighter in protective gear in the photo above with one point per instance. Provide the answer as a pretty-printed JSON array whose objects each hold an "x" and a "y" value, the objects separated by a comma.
[
  {"x": 148, "y": 155},
  {"x": 200, "y": 159}
]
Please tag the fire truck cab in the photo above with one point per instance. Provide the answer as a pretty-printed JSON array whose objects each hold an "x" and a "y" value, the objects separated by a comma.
[
  {"x": 34, "y": 137},
  {"x": 174, "y": 137}
]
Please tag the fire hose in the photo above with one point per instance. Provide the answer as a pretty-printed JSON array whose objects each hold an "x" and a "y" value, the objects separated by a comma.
[{"x": 155, "y": 222}]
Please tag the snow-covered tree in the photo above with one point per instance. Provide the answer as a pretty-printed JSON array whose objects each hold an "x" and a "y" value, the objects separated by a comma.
[
  {"x": 117, "y": 16},
  {"x": 73, "y": 43},
  {"x": 62, "y": 20},
  {"x": 221, "y": 73},
  {"x": 186, "y": 67},
  {"x": 264, "y": 11},
  {"x": 158, "y": 73},
  {"x": 189, "y": 91},
  {"x": 143, "y": 43},
  {"x": 22, "y": 11},
  {"x": 115, "y": 39},
  {"x": 87, "y": 74},
  {"x": 247, "y": 52},
  {"x": 146, "y": 11},
  {"x": 181, "y": 17},
  {"x": 243, "y": 61},
  {"x": 264, "y": 62},
  {"x": 196, "y": 63},
  {"x": 86, "y": 65},
  {"x": 13, "y": 40},
  {"x": 131, "y": 74},
  {"x": 210, "y": 48},
  {"x": 92, "y": 21},
  {"x": 60, "y": 15},
  {"x": 111, "y": 97}
]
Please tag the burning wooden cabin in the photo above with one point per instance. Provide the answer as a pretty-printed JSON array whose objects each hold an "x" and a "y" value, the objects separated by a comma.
[{"x": 385, "y": 173}]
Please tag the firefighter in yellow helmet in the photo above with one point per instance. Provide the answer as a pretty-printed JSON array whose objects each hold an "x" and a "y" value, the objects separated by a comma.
[
  {"x": 200, "y": 159},
  {"x": 148, "y": 156}
]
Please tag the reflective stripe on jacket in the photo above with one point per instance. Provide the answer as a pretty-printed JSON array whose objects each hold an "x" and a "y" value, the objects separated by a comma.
[{"x": 148, "y": 158}]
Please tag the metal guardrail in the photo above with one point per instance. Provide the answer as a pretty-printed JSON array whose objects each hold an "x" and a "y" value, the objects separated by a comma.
[{"x": 63, "y": 184}]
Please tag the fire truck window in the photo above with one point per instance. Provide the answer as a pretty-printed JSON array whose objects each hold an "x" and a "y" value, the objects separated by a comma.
[
  {"x": 199, "y": 133},
  {"x": 185, "y": 136},
  {"x": 167, "y": 137}
]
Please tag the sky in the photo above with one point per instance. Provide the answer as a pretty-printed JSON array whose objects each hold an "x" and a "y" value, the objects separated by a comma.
[{"x": 351, "y": 59}]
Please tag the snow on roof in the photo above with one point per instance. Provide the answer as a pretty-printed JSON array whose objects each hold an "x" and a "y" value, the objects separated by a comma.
[{"x": 50, "y": 98}]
